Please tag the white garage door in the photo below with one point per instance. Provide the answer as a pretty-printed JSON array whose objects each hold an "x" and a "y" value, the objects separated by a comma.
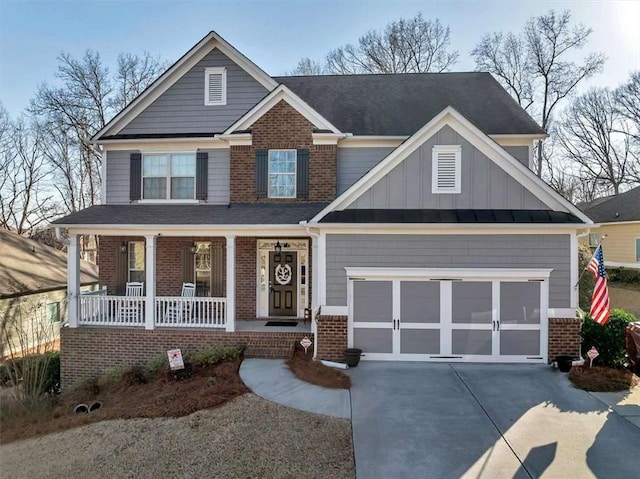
[{"x": 470, "y": 316}]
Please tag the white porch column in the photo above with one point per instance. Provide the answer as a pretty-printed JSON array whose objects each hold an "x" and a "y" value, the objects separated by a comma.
[
  {"x": 315, "y": 274},
  {"x": 322, "y": 269},
  {"x": 73, "y": 281},
  {"x": 150, "y": 273},
  {"x": 231, "y": 283}
]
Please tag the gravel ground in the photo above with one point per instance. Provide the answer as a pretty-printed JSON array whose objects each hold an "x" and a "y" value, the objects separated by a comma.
[{"x": 246, "y": 438}]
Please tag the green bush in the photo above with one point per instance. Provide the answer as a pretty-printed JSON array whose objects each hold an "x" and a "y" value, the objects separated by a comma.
[
  {"x": 622, "y": 275},
  {"x": 156, "y": 364},
  {"x": 214, "y": 355},
  {"x": 607, "y": 339},
  {"x": 39, "y": 374}
]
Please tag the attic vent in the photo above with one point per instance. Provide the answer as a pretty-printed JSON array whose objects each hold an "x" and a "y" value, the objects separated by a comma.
[
  {"x": 446, "y": 160},
  {"x": 215, "y": 86}
]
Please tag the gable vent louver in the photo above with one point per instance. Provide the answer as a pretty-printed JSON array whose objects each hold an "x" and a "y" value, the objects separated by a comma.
[
  {"x": 215, "y": 87},
  {"x": 446, "y": 168}
]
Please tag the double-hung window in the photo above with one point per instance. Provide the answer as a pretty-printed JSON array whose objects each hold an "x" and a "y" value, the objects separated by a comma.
[
  {"x": 282, "y": 173},
  {"x": 169, "y": 176}
]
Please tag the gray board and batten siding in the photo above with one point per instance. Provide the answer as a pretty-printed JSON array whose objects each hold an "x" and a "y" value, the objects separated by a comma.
[
  {"x": 484, "y": 185},
  {"x": 354, "y": 163},
  {"x": 118, "y": 171},
  {"x": 520, "y": 153},
  {"x": 181, "y": 108},
  {"x": 450, "y": 251}
]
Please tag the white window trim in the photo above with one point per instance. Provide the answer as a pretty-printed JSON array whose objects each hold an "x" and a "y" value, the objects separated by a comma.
[
  {"x": 597, "y": 238},
  {"x": 215, "y": 71},
  {"x": 129, "y": 249},
  {"x": 457, "y": 150},
  {"x": 168, "y": 176},
  {"x": 295, "y": 174}
]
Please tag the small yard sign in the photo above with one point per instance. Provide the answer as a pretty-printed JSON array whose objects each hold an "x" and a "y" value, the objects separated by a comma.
[
  {"x": 175, "y": 359},
  {"x": 592, "y": 353},
  {"x": 305, "y": 343}
]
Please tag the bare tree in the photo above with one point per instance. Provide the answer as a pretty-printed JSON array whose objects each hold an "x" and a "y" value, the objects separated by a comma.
[
  {"x": 628, "y": 105},
  {"x": 134, "y": 73},
  {"x": 308, "y": 67},
  {"x": 549, "y": 42},
  {"x": 412, "y": 45},
  {"x": 592, "y": 136}
]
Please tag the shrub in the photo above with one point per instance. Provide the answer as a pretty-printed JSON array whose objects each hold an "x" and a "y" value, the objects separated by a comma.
[
  {"x": 607, "y": 339},
  {"x": 214, "y": 355},
  {"x": 38, "y": 373},
  {"x": 622, "y": 275},
  {"x": 156, "y": 364},
  {"x": 135, "y": 375}
]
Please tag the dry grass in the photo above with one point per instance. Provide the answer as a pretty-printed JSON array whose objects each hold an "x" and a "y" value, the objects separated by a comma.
[
  {"x": 124, "y": 399},
  {"x": 600, "y": 379},
  {"x": 246, "y": 438},
  {"x": 305, "y": 368}
]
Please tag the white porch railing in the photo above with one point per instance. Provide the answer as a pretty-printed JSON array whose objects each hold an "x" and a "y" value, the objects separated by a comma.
[
  {"x": 98, "y": 309},
  {"x": 196, "y": 312}
]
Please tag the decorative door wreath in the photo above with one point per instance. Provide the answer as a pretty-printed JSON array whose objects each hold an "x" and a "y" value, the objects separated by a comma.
[{"x": 283, "y": 274}]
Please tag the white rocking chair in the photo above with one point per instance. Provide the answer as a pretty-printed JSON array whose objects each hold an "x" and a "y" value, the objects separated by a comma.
[
  {"x": 181, "y": 309},
  {"x": 130, "y": 310}
]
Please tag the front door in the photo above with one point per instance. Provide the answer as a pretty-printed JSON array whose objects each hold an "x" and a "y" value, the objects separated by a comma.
[{"x": 283, "y": 280}]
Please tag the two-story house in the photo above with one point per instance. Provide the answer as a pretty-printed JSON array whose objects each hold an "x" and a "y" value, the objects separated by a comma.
[{"x": 397, "y": 213}]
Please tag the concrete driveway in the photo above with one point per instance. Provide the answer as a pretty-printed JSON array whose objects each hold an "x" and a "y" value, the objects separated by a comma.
[{"x": 492, "y": 421}]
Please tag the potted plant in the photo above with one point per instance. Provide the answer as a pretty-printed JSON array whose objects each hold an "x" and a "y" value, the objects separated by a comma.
[
  {"x": 352, "y": 356},
  {"x": 564, "y": 363}
]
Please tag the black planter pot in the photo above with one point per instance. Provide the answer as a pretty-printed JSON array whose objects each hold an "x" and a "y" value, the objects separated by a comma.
[
  {"x": 352, "y": 356},
  {"x": 564, "y": 363}
]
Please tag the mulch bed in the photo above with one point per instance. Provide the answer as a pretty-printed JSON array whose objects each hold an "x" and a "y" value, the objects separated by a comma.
[
  {"x": 600, "y": 379},
  {"x": 314, "y": 372},
  {"x": 161, "y": 396}
]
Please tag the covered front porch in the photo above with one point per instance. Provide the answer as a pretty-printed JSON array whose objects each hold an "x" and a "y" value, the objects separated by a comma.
[{"x": 242, "y": 282}]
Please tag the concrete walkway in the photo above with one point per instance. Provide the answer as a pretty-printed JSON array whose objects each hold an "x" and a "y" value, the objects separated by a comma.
[
  {"x": 271, "y": 379},
  {"x": 624, "y": 403}
]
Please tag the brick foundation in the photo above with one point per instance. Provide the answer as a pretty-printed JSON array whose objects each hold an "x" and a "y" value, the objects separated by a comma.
[
  {"x": 564, "y": 337},
  {"x": 332, "y": 337},
  {"x": 88, "y": 351}
]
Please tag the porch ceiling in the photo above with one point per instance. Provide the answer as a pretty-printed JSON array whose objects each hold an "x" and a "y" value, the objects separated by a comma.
[{"x": 166, "y": 214}]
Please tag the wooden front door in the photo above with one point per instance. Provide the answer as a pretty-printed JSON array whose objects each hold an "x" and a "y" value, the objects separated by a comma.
[{"x": 283, "y": 283}]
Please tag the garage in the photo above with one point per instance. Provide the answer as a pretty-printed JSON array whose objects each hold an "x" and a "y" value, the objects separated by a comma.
[{"x": 422, "y": 314}]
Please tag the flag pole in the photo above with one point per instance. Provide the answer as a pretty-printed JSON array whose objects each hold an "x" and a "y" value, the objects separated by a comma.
[{"x": 584, "y": 270}]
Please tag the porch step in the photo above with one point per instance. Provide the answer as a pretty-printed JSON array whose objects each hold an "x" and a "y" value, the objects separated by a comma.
[{"x": 270, "y": 348}]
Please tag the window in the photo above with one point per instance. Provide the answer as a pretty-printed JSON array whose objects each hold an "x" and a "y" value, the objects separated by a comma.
[
  {"x": 638, "y": 250},
  {"x": 282, "y": 173},
  {"x": 202, "y": 268},
  {"x": 53, "y": 312},
  {"x": 169, "y": 176},
  {"x": 446, "y": 165},
  {"x": 593, "y": 240},
  {"x": 215, "y": 86},
  {"x": 136, "y": 261}
]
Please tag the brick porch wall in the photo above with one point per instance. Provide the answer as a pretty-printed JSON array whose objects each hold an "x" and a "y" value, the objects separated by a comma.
[
  {"x": 88, "y": 351},
  {"x": 246, "y": 257},
  {"x": 332, "y": 337},
  {"x": 564, "y": 337},
  {"x": 283, "y": 128}
]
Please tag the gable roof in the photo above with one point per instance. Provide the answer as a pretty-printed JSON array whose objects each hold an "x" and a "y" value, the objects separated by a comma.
[
  {"x": 449, "y": 116},
  {"x": 27, "y": 266},
  {"x": 400, "y": 104},
  {"x": 174, "y": 73},
  {"x": 281, "y": 93},
  {"x": 621, "y": 207}
]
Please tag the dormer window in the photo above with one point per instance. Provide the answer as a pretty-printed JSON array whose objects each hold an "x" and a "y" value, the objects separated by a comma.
[
  {"x": 446, "y": 166},
  {"x": 215, "y": 86}
]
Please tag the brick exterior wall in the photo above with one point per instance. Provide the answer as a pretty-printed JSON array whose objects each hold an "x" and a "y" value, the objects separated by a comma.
[
  {"x": 88, "y": 351},
  {"x": 283, "y": 128},
  {"x": 246, "y": 257},
  {"x": 564, "y": 337},
  {"x": 332, "y": 337}
]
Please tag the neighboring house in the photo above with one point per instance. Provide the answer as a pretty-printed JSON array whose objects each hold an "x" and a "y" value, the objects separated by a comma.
[
  {"x": 398, "y": 211},
  {"x": 33, "y": 292},
  {"x": 618, "y": 219}
]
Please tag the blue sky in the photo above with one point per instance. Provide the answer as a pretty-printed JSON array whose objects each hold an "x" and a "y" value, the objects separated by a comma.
[{"x": 274, "y": 34}]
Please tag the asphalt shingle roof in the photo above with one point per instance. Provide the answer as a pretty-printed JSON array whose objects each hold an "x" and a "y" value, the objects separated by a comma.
[
  {"x": 622, "y": 207},
  {"x": 400, "y": 104},
  {"x": 234, "y": 214}
]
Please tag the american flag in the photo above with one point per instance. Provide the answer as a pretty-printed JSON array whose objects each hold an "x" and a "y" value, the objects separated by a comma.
[{"x": 600, "y": 309}]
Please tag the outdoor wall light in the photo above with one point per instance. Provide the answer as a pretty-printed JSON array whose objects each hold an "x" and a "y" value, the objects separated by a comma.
[
  {"x": 278, "y": 247},
  {"x": 123, "y": 247},
  {"x": 193, "y": 248}
]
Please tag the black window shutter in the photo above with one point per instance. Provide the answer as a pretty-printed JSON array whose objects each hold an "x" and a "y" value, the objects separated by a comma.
[
  {"x": 302, "y": 176},
  {"x": 188, "y": 266},
  {"x": 135, "y": 178},
  {"x": 122, "y": 268},
  {"x": 262, "y": 172},
  {"x": 202, "y": 173},
  {"x": 217, "y": 269}
]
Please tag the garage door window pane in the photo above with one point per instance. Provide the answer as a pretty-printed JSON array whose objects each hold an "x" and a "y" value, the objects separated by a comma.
[
  {"x": 372, "y": 301},
  {"x": 466, "y": 341},
  {"x": 471, "y": 302},
  {"x": 520, "y": 343},
  {"x": 520, "y": 303}
]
